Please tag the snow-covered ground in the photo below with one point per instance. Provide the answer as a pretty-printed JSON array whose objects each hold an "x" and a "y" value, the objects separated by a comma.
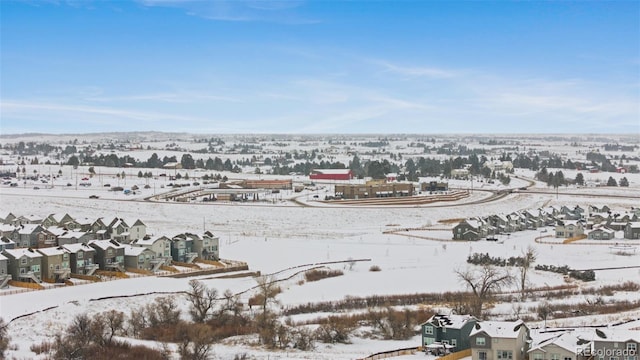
[{"x": 277, "y": 234}]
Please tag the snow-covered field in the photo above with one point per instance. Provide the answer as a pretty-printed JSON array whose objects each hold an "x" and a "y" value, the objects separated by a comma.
[{"x": 278, "y": 234}]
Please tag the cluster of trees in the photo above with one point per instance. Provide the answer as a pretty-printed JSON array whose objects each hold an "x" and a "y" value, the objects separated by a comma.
[
  {"x": 587, "y": 275},
  {"x": 486, "y": 259},
  {"x": 489, "y": 279},
  {"x": 556, "y": 179}
]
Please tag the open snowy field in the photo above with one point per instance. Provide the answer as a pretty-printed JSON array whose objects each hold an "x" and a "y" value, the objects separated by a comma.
[{"x": 276, "y": 236}]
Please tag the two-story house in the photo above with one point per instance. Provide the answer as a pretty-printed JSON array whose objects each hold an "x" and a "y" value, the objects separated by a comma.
[
  {"x": 24, "y": 264},
  {"x": 81, "y": 258},
  {"x": 632, "y": 230},
  {"x": 161, "y": 247},
  {"x": 55, "y": 264},
  {"x": 615, "y": 344},
  {"x": 182, "y": 248},
  {"x": 109, "y": 254},
  {"x": 137, "y": 257},
  {"x": 499, "y": 340},
  {"x": 569, "y": 228},
  {"x": 26, "y": 235},
  {"x": 207, "y": 246},
  {"x": 469, "y": 230},
  {"x": 138, "y": 230},
  {"x": 118, "y": 230},
  {"x": 445, "y": 330},
  {"x": 601, "y": 233}
]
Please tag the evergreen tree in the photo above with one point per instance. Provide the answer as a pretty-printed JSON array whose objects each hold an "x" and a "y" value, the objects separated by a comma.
[
  {"x": 624, "y": 182},
  {"x": 612, "y": 182}
]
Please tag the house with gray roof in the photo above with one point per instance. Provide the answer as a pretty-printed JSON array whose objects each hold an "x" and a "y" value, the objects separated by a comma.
[
  {"x": 450, "y": 330},
  {"x": 565, "y": 345},
  {"x": 24, "y": 264},
  {"x": 55, "y": 264},
  {"x": 109, "y": 254},
  {"x": 81, "y": 258},
  {"x": 499, "y": 340},
  {"x": 632, "y": 230}
]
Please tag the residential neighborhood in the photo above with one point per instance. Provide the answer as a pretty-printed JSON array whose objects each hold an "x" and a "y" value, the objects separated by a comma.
[
  {"x": 58, "y": 246},
  {"x": 568, "y": 222},
  {"x": 465, "y": 336}
]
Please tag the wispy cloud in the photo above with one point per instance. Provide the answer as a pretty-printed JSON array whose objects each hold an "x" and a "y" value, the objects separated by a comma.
[
  {"x": 20, "y": 109},
  {"x": 181, "y": 97},
  {"x": 416, "y": 71},
  {"x": 283, "y": 12}
]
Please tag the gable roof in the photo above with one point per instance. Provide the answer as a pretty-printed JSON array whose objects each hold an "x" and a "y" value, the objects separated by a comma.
[
  {"x": 616, "y": 335},
  {"x": 106, "y": 244},
  {"x": 566, "y": 340},
  {"x": 452, "y": 321},
  {"x": 26, "y": 229},
  {"x": 499, "y": 329},
  {"x": 150, "y": 241},
  {"x": 51, "y": 251},
  {"x": 18, "y": 253},
  {"x": 74, "y": 248},
  {"x": 134, "y": 250}
]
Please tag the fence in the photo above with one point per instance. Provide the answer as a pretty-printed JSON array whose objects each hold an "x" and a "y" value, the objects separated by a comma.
[
  {"x": 392, "y": 353},
  {"x": 456, "y": 355},
  {"x": 26, "y": 285}
]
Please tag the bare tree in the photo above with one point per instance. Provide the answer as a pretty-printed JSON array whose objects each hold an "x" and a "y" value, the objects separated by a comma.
[
  {"x": 202, "y": 300},
  {"x": 267, "y": 322},
  {"x": 528, "y": 258},
  {"x": 4, "y": 338},
  {"x": 196, "y": 341},
  {"x": 231, "y": 305},
  {"x": 483, "y": 283},
  {"x": 336, "y": 330}
]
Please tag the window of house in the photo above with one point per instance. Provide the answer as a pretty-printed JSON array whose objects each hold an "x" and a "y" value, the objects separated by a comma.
[
  {"x": 454, "y": 342},
  {"x": 568, "y": 358},
  {"x": 428, "y": 330},
  {"x": 481, "y": 341},
  {"x": 632, "y": 348},
  {"x": 482, "y": 355},
  {"x": 538, "y": 356},
  {"x": 141, "y": 258},
  {"x": 23, "y": 261},
  {"x": 79, "y": 255},
  {"x": 555, "y": 356},
  {"x": 444, "y": 330},
  {"x": 505, "y": 355}
]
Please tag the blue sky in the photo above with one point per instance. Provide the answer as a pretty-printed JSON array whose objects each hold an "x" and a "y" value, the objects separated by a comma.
[{"x": 320, "y": 66}]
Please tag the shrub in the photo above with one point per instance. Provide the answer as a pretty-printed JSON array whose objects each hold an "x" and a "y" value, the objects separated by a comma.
[
  {"x": 319, "y": 274},
  {"x": 375, "y": 268}
]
